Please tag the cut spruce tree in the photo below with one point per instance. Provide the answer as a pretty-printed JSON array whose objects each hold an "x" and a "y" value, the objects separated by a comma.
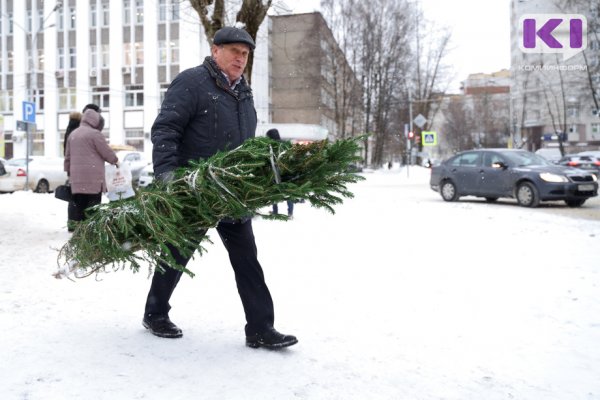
[{"x": 229, "y": 185}]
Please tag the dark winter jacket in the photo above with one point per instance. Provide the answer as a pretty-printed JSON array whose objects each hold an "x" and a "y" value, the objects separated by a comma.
[
  {"x": 86, "y": 153},
  {"x": 74, "y": 121},
  {"x": 199, "y": 116}
]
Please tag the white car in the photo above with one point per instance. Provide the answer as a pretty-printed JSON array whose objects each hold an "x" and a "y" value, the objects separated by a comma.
[
  {"x": 136, "y": 161},
  {"x": 551, "y": 154},
  {"x": 2, "y": 163},
  {"x": 45, "y": 174},
  {"x": 146, "y": 176}
]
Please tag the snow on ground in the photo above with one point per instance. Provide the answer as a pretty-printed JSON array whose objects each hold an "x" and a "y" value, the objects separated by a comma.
[{"x": 399, "y": 295}]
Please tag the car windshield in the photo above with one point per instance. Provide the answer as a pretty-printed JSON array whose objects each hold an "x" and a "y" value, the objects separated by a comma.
[{"x": 525, "y": 158}]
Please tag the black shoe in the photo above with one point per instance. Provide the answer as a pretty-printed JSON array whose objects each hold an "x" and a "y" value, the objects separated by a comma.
[
  {"x": 270, "y": 339},
  {"x": 161, "y": 325}
]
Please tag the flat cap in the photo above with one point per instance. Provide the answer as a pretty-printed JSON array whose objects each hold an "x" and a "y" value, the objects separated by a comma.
[{"x": 229, "y": 34}]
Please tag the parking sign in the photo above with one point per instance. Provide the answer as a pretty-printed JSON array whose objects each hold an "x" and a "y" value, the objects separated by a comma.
[{"x": 29, "y": 112}]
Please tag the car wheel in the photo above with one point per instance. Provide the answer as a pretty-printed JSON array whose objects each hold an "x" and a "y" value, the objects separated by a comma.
[
  {"x": 448, "y": 191},
  {"x": 575, "y": 203},
  {"x": 527, "y": 195},
  {"x": 491, "y": 199},
  {"x": 42, "y": 186}
]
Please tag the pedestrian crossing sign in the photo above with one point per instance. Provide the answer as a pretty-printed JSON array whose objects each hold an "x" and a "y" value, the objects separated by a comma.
[{"x": 429, "y": 138}]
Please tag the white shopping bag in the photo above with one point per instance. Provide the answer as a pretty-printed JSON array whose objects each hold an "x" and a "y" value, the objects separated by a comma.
[{"x": 119, "y": 182}]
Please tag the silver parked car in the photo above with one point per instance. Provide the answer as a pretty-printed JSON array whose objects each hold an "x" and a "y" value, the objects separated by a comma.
[{"x": 45, "y": 174}]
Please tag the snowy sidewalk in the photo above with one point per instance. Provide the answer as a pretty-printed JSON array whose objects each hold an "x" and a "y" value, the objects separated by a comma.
[{"x": 399, "y": 295}]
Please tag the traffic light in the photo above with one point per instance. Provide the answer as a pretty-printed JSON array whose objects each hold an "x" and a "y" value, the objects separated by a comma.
[
  {"x": 411, "y": 135},
  {"x": 418, "y": 139}
]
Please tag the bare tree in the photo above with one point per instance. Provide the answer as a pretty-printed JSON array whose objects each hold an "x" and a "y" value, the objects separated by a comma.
[
  {"x": 383, "y": 66},
  {"x": 593, "y": 20},
  {"x": 430, "y": 74},
  {"x": 457, "y": 125},
  {"x": 341, "y": 18},
  {"x": 251, "y": 13}
]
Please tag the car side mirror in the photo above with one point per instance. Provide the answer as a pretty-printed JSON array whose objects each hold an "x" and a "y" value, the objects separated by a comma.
[{"x": 500, "y": 165}]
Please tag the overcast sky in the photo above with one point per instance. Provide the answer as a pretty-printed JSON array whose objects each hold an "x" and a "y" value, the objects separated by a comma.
[{"x": 480, "y": 33}]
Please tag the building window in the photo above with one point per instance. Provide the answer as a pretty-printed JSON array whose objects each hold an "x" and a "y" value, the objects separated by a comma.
[
  {"x": 168, "y": 10},
  {"x": 72, "y": 58},
  {"x": 6, "y": 101},
  {"x": 139, "y": 53},
  {"x": 101, "y": 97},
  {"x": 174, "y": 10},
  {"x": 41, "y": 59},
  {"x": 573, "y": 112},
  {"x": 105, "y": 56},
  {"x": 162, "y": 52},
  {"x": 105, "y": 13},
  {"x": 133, "y": 52},
  {"x": 134, "y": 97},
  {"x": 72, "y": 18},
  {"x": 170, "y": 48},
  {"x": 162, "y": 10},
  {"x": 61, "y": 19},
  {"x": 139, "y": 12},
  {"x": 40, "y": 15},
  {"x": 174, "y": 44},
  {"x": 162, "y": 92},
  {"x": 127, "y": 56},
  {"x": 135, "y": 138},
  {"x": 10, "y": 23},
  {"x": 67, "y": 99},
  {"x": 93, "y": 56},
  {"x": 60, "y": 54},
  {"x": 38, "y": 98},
  {"x": 29, "y": 25},
  {"x": 93, "y": 16},
  {"x": 126, "y": 12},
  {"x": 595, "y": 131}
]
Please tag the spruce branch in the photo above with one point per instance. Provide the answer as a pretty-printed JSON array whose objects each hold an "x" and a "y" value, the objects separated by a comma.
[{"x": 228, "y": 185}]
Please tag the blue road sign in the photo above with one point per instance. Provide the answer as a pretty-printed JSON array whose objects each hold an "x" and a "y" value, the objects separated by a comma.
[{"x": 29, "y": 112}]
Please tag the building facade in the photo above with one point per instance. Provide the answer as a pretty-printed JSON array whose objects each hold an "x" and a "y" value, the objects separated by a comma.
[
  {"x": 123, "y": 54},
  {"x": 119, "y": 54},
  {"x": 554, "y": 98},
  {"x": 310, "y": 76}
]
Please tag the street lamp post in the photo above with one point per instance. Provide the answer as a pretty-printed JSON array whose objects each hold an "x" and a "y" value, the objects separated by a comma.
[{"x": 33, "y": 86}]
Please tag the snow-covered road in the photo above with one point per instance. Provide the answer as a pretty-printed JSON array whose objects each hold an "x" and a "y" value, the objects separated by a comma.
[{"x": 399, "y": 295}]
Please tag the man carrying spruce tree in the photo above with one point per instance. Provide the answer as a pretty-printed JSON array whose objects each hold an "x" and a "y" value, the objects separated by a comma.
[{"x": 207, "y": 109}]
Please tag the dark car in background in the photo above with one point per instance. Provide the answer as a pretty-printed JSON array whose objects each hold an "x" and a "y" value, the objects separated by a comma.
[
  {"x": 518, "y": 174},
  {"x": 587, "y": 162}
]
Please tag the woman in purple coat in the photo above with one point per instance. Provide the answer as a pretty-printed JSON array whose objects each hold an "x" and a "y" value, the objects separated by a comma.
[{"x": 85, "y": 155}]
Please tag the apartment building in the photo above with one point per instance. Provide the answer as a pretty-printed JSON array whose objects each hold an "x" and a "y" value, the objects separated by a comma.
[
  {"x": 119, "y": 54},
  {"x": 310, "y": 76},
  {"x": 552, "y": 97}
]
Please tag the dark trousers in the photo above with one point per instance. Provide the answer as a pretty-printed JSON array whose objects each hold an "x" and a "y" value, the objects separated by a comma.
[
  {"x": 81, "y": 202},
  {"x": 256, "y": 299},
  {"x": 290, "y": 208}
]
